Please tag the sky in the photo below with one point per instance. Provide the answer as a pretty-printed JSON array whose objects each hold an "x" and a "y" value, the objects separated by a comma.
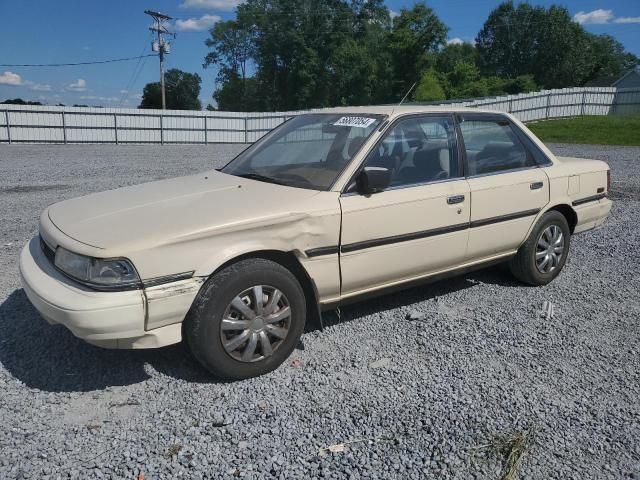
[{"x": 71, "y": 31}]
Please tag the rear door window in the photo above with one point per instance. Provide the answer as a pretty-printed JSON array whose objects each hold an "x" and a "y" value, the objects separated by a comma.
[{"x": 492, "y": 146}]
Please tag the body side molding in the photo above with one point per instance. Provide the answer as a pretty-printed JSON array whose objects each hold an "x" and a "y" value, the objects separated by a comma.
[
  {"x": 592, "y": 198},
  {"x": 406, "y": 237}
]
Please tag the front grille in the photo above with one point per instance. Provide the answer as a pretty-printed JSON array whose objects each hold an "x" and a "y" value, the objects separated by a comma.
[{"x": 48, "y": 251}]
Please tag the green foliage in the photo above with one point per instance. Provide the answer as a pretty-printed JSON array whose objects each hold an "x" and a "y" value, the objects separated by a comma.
[
  {"x": 547, "y": 44},
  {"x": 454, "y": 53},
  {"x": 19, "y": 101},
  {"x": 608, "y": 58},
  {"x": 601, "y": 129},
  {"x": 181, "y": 88},
  {"x": 298, "y": 54},
  {"x": 429, "y": 88},
  {"x": 464, "y": 81},
  {"x": 416, "y": 35}
]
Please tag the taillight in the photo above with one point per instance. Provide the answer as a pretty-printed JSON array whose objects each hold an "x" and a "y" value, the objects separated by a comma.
[{"x": 608, "y": 180}]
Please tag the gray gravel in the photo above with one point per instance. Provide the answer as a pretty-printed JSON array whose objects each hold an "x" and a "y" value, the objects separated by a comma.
[{"x": 416, "y": 384}]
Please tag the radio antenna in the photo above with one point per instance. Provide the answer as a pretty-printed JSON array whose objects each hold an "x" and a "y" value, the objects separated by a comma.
[{"x": 407, "y": 94}]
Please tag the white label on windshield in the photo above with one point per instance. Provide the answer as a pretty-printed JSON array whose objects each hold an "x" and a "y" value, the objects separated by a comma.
[{"x": 361, "y": 122}]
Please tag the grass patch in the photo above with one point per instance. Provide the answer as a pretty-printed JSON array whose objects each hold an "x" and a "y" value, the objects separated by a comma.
[
  {"x": 509, "y": 448},
  {"x": 598, "y": 129}
]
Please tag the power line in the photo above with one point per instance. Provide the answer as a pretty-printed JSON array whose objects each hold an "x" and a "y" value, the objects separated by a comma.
[
  {"x": 96, "y": 62},
  {"x": 134, "y": 74}
]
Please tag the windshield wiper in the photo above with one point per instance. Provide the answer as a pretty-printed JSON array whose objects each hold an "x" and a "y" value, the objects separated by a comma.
[{"x": 260, "y": 178}]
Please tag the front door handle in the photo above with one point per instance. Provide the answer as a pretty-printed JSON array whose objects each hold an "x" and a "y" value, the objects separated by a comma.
[
  {"x": 455, "y": 199},
  {"x": 536, "y": 185}
]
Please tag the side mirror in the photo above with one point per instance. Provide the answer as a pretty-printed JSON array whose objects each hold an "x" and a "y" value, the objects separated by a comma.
[{"x": 372, "y": 180}]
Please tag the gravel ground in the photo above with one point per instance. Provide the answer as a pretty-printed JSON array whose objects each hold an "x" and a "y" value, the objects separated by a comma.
[{"x": 426, "y": 397}]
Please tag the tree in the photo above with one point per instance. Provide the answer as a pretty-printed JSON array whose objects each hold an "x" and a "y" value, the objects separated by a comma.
[
  {"x": 235, "y": 94},
  {"x": 360, "y": 66},
  {"x": 19, "y": 101},
  {"x": 454, "y": 53},
  {"x": 547, "y": 44},
  {"x": 182, "y": 91},
  {"x": 231, "y": 45},
  {"x": 609, "y": 58},
  {"x": 429, "y": 88},
  {"x": 416, "y": 36},
  {"x": 464, "y": 81},
  {"x": 296, "y": 54},
  {"x": 299, "y": 54}
]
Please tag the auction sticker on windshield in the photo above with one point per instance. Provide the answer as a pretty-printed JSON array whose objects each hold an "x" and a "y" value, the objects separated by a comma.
[{"x": 362, "y": 122}]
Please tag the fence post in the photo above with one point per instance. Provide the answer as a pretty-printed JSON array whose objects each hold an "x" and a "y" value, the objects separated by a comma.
[
  {"x": 115, "y": 127},
  {"x": 510, "y": 105},
  {"x": 246, "y": 129},
  {"x": 64, "y": 129},
  {"x": 6, "y": 114},
  {"x": 205, "y": 129},
  {"x": 548, "y": 103},
  {"x": 161, "y": 131},
  {"x": 584, "y": 97},
  {"x": 614, "y": 103}
]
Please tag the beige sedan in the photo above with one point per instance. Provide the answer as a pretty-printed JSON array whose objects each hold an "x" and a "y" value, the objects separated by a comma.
[{"x": 327, "y": 208}]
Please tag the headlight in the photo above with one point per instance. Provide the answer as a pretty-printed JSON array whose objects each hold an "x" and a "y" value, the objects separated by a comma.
[{"x": 113, "y": 273}]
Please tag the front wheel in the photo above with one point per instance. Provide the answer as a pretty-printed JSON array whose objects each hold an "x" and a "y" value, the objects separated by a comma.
[
  {"x": 543, "y": 255},
  {"x": 247, "y": 319}
]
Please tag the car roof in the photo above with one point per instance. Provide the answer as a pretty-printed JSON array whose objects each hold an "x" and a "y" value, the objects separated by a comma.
[{"x": 395, "y": 110}]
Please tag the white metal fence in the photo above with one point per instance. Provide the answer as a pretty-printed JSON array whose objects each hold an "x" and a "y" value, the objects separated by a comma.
[{"x": 43, "y": 124}]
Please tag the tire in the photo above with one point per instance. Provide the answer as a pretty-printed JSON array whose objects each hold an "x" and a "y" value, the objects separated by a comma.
[
  {"x": 206, "y": 334},
  {"x": 526, "y": 268}
]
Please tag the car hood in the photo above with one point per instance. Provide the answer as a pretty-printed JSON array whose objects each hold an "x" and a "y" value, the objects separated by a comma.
[{"x": 174, "y": 210}]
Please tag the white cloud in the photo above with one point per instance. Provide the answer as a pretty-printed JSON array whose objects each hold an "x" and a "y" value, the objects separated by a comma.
[
  {"x": 393, "y": 14},
  {"x": 97, "y": 97},
  {"x": 205, "y": 22},
  {"x": 79, "y": 86},
  {"x": 39, "y": 87},
  {"x": 598, "y": 16},
  {"x": 10, "y": 78},
  {"x": 455, "y": 41},
  {"x": 86, "y": 48},
  {"x": 601, "y": 17},
  {"x": 211, "y": 4},
  {"x": 627, "y": 20}
]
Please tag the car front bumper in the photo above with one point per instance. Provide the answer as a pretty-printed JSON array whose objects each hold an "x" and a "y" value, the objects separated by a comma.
[{"x": 106, "y": 319}]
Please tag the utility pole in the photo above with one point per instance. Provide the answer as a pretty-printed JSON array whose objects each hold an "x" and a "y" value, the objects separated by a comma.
[{"x": 160, "y": 45}]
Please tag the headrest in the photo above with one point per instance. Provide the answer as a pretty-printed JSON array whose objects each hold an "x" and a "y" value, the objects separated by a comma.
[{"x": 427, "y": 157}]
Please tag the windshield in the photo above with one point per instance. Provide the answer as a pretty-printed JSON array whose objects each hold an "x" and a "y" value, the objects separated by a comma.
[{"x": 308, "y": 151}]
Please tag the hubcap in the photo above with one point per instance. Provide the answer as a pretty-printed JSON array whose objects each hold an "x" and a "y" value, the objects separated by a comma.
[
  {"x": 255, "y": 323},
  {"x": 549, "y": 249}
]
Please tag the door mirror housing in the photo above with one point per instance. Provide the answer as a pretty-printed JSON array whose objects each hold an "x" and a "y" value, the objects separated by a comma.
[{"x": 373, "y": 180}]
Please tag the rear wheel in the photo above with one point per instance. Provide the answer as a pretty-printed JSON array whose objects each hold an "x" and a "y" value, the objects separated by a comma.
[
  {"x": 247, "y": 319},
  {"x": 544, "y": 254}
]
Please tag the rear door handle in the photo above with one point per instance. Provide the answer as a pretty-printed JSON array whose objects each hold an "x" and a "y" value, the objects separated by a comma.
[
  {"x": 455, "y": 199},
  {"x": 536, "y": 185}
]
